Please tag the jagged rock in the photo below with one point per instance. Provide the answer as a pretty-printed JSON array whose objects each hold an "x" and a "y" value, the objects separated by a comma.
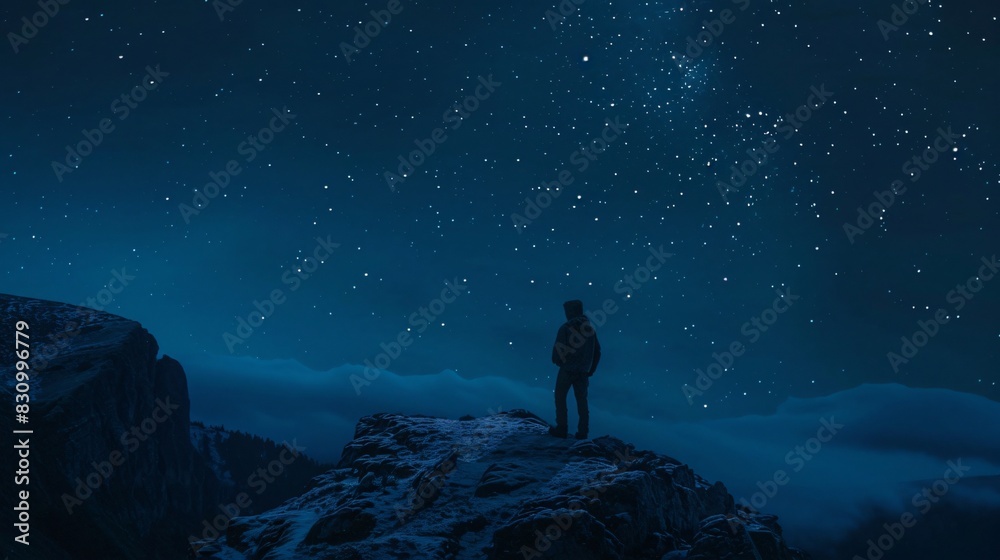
[
  {"x": 237, "y": 530},
  {"x": 347, "y": 524},
  {"x": 406, "y": 487},
  {"x": 502, "y": 478},
  {"x": 99, "y": 395},
  {"x": 96, "y": 380},
  {"x": 741, "y": 536},
  {"x": 556, "y": 533},
  {"x": 499, "y": 487}
]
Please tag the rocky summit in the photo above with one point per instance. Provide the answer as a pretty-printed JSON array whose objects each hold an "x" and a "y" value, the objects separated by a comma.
[
  {"x": 501, "y": 488},
  {"x": 117, "y": 470}
]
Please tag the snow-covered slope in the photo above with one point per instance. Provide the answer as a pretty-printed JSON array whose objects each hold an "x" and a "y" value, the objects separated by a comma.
[{"x": 501, "y": 488}]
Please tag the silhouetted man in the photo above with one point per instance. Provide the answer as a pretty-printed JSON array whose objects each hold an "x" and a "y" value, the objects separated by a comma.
[{"x": 576, "y": 352}]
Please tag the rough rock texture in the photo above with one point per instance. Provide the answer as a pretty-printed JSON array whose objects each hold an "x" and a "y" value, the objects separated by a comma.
[
  {"x": 95, "y": 377},
  {"x": 497, "y": 488},
  {"x": 99, "y": 396},
  {"x": 500, "y": 488}
]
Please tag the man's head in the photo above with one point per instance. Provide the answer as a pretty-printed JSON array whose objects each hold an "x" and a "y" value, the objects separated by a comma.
[{"x": 573, "y": 308}]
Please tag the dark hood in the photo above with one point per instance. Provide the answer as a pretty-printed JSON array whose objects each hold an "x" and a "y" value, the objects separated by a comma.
[{"x": 573, "y": 308}]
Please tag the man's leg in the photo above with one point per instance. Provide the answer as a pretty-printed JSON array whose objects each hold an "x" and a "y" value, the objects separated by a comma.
[
  {"x": 563, "y": 383},
  {"x": 580, "y": 392}
]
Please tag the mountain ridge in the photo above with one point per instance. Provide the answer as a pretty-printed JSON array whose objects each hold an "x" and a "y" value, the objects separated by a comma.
[
  {"x": 499, "y": 487},
  {"x": 122, "y": 473}
]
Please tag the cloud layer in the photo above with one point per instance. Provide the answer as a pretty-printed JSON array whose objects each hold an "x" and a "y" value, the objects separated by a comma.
[{"x": 823, "y": 465}]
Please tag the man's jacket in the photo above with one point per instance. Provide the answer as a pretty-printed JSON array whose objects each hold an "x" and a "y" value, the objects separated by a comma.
[{"x": 577, "y": 348}]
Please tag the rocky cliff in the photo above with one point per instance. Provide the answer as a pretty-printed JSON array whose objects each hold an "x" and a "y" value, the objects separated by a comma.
[
  {"x": 112, "y": 467},
  {"x": 500, "y": 488},
  {"x": 115, "y": 470},
  {"x": 111, "y": 472}
]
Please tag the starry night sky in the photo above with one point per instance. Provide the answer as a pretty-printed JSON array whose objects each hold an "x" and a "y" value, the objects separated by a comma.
[
  {"x": 686, "y": 121},
  {"x": 687, "y": 116}
]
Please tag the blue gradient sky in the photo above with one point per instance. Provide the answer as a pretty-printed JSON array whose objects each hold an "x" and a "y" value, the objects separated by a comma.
[
  {"x": 689, "y": 118},
  {"x": 686, "y": 122}
]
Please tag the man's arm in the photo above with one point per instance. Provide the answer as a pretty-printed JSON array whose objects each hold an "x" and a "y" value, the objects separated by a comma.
[
  {"x": 597, "y": 355},
  {"x": 560, "y": 336}
]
